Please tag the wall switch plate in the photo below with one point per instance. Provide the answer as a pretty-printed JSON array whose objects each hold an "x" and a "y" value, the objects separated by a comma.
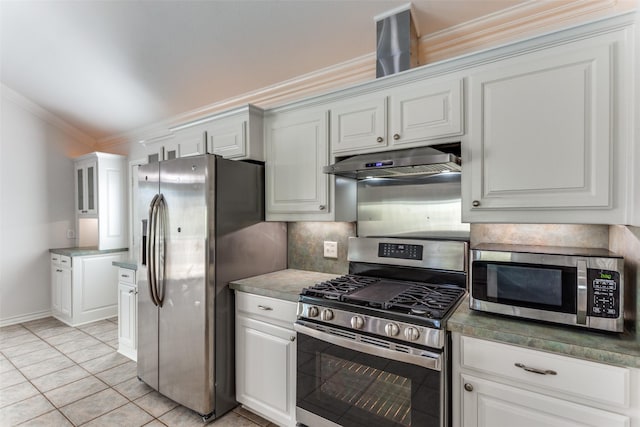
[
  {"x": 330, "y": 249},
  {"x": 71, "y": 234}
]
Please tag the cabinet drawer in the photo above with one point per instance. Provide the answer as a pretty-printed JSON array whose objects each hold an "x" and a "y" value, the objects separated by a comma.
[
  {"x": 266, "y": 307},
  {"x": 599, "y": 382},
  {"x": 61, "y": 260},
  {"x": 126, "y": 275}
]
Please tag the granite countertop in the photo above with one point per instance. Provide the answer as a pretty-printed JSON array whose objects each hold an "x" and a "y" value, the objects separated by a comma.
[
  {"x": 283, "y": 284},
  {"x": 616, "y": 349},
  {"x": 130, "y": 264},
  {"x": 87, "y": 250}
]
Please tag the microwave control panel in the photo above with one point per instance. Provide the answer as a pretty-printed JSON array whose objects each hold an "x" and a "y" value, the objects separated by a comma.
[{"x": 603, "y": 293}]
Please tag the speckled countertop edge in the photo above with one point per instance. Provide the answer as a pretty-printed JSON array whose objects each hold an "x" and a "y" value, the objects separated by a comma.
[
  {"x": 91, "y": 250},
  {"x": 284, "y": 284},
  {"x": 616, "y": 349},
  {"x": 129, "y": 264}
]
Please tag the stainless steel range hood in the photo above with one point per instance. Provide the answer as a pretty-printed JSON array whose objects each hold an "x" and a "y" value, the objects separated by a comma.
[{"x": 413, "y": 161}]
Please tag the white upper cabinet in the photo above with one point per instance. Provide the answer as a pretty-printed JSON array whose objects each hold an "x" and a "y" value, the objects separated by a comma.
[
  {"x": 359, "y": 124},
  {"x": 424, "y": 111},
  {"x": 87, "y": 187},
  {"x": 546, "y": 140},
  {"x": 238, "y": 135},
  {"x": 296, "y": 151},
  {"x": 101, "y": 200},
  {"x": 406, "y": 116},
  {"x": 235, "y": 134}
]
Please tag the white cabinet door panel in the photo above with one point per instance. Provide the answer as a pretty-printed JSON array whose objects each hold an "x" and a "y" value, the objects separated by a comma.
[
  {"x": 542, "y": 131},
  {"x": 424, "y": 111},
  {"x": 491, "y": 404},
  {"x": 359, "y": 124}
]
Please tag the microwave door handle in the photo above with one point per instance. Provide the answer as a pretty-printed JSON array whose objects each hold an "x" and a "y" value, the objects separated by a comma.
[{"x": 581, "y": 312}]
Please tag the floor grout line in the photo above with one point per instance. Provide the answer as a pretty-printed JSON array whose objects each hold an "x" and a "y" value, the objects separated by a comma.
[{"x": 34, "y": 328}]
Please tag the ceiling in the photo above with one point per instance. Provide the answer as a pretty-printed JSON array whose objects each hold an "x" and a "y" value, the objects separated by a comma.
[{"x": 108, "y": 67}]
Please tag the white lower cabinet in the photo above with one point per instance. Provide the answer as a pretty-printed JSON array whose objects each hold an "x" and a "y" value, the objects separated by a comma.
[
  {"x": 61, "y": 286},
  {"x": 84, "y": 288},
  {"x": 127, "y": 313},
  {"x": 500, "y": 385},
  {"x": 266, "y": 357}
]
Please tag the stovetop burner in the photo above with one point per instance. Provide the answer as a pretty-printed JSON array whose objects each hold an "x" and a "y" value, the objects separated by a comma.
[{"x": 409, "y": 298}]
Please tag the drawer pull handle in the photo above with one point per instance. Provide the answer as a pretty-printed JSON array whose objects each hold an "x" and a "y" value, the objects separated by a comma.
[
  {"x": 264, "y": 307},
  {"x": 536, "y": 370},
  {"x": 292, "y": 338},
  {"x": 468, "y": 387},
  {"x": 125, "y": 275}
]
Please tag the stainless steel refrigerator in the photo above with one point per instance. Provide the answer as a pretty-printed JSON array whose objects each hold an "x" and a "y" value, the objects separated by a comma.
[{"x": 202, "y": 226}]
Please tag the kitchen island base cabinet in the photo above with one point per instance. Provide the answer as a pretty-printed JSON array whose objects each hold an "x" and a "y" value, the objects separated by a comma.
[
  {"x": 266, "y": 357},
  {"x": 502, "y": 385},
  {"x": 86, "y": 290}
]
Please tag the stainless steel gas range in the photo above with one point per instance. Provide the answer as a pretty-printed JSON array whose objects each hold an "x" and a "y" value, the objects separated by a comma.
[{"x": 373, "y": 349}]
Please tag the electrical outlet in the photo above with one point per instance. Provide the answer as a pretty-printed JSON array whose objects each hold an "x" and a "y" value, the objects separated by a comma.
[
  {"x": 71, "y": 234},
  {"x": 330, "y": 249}
]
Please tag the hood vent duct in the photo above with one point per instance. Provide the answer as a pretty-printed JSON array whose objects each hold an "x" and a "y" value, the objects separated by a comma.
[
  {"x": 396, "y": 41},
  {"x": 413, "y": 161}
]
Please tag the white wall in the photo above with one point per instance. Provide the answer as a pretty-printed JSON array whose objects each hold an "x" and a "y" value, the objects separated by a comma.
[{"x": 36, "y": 203}]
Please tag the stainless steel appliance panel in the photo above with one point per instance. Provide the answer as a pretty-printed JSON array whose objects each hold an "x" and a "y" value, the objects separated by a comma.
[
  {"x": 147, "y": 364},
  {"x": 185, "y": 321},
  {"x": 423, "y": 206}
]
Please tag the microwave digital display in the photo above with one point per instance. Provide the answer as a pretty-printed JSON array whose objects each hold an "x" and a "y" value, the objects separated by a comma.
[{"x": 531, "y": 285}]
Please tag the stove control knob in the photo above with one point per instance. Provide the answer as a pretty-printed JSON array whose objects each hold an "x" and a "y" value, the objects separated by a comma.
[
  {"x": 313, "y": 311},
  {"x": 411, "y": 333},
  {"x": 326, "y": 315},
  {"x": 391, "y": 329},
  {"x": 357, "y": 322}
]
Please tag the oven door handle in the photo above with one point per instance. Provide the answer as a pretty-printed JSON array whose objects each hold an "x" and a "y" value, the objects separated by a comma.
[{"x": 421, "y": 358}]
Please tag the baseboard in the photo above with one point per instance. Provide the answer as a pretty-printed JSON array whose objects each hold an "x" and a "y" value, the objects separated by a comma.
[{"x": 24, "y": 318}]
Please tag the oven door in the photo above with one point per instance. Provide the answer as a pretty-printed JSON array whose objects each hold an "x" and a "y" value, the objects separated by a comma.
[{"x": 348, "y": 379}]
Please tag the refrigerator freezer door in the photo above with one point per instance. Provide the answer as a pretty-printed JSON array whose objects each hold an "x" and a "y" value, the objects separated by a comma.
[
  {"x": 185, "y": 337},
  {"x": 148, "y": 187}
]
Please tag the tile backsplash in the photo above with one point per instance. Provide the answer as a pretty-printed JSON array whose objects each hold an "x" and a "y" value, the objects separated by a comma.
[
  {"x": 306, "y": 245},
  {"x": 572, "y": 235}
]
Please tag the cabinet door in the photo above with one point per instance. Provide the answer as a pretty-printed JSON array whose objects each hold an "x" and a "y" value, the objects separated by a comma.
[
  {"x": 55, "y": 287},
  {"x": 297, "y": 149},
  {"x": 228, "y": 137},
  {"x": 65, "y": 289},
  {"x": 540, "y": 130},
  {"x": 425, "y": 111},
  {"x": 86, "y": 188},
  {"x": 490, "y": 404},
  {"x": 265, "y": 369},
  {"x": 127, "y": 314},
  {"x": 359, "y": 124}
]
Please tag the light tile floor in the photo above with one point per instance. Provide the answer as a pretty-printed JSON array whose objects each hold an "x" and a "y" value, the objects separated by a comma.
[{"x": 52, "y": 374}]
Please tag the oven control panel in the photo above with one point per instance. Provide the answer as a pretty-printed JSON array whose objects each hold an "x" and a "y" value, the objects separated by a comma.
[{"x": 400, "y": 250}]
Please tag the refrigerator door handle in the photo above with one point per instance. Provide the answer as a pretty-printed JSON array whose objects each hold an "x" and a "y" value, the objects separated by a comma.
[
  {"x": 151, "y": 248},
  {"x": 161, "y": 267}
]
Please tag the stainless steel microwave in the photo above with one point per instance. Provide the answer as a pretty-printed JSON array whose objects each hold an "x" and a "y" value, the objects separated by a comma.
[{"x": 572, "y": 286}]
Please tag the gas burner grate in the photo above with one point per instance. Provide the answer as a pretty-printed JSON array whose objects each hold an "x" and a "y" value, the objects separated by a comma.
[
  {"x": 432, "y": 301},
  {"x": 336, "y": 288}
]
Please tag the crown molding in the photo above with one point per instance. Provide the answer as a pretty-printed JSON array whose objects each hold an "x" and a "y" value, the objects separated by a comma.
[
  {"x": 335, "y": 77},
  {"x": 513, "y": 24},
  {"x": 33, "y": 108},
  {"x": 519, "y": 22}
]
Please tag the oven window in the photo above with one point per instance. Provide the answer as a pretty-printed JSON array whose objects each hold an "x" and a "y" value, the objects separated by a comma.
[
  {"x": 373, "y": 390},
  {"x": 354, "y": 389}
]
